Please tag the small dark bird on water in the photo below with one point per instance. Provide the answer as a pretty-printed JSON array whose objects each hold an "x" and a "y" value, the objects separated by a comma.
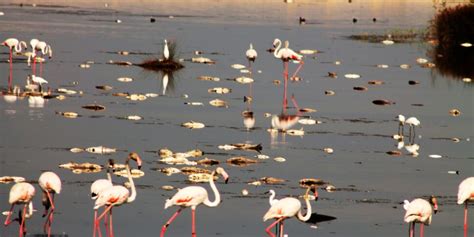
[
  {"x": 374, "y": 19},
  {"x": 302, "y": 20},
  {"x": 354, "y": 20},
  {"x": 152, "y": 19}
]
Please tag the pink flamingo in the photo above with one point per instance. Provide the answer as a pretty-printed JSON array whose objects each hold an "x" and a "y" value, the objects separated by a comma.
[
  {"x": 32, "y": 54},
  {"x": 13, "y": 44},
  {"x": 21, "y": 193},
  {"x": 50, "y": 183},
  {"x": 286, "y": 208},
  {"x": 192, "y": 196},
  {"x": 419, "y": 211},
  {"x": 251, "y": 55},
  {"x": 97, "y": 187},
  {"x": 45, "y": 49},
  {"x": 117, "y": 194},
  {"x": 466, "y": 194}
]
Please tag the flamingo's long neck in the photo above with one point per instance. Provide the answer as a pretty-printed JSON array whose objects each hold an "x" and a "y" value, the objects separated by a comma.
[
  {"x": 132, "y": 184},
  {"x": 18, "y": 47},
  {"x": 272, "y": 197},
  {"x": 216, "y": 193},
  {"x": 277, "y": 53},
  {"x": 308, "y": 211},
  {"x": 109, "y": 176}
]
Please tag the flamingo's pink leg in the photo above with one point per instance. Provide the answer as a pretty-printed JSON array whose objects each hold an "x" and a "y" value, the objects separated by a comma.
[
  {"x": 282, "y": 228},
  {"x": 10, "y": 79},
  {"x": 163, "y": 229},
  {"x": 193, "y": 214},
  {"x": 465, "y": 219},
  {"x": 7, "y": 220},
  {"x": 111, "y": 224},
  {"x": 271, "y": 226},
  {"x": 298, "y": 69},
  {"x": 422, "y": 230}
]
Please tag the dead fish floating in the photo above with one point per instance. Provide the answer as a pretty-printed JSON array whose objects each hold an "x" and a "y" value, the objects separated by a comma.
[
  {"x": 121, "y": 94},
  {"x": 104, "y": 87},
  {"x": 394, "y": 153},
  {"x": 455, "y": 112},
  {"x": 241, "y": 161},
  {"x": 120, "y": 63},
  {"x": 68, "y": 114},
  {"x": 208, "y": 78},
  {"x": 308, "y": 121},
  {"x": 307, "y": 110},
  {"x": 203, "y": 60},
  {"x": 237, "y": 66},
  {"x": 135, "y": 173},
  {"x": 329, "y": 92},
  {"x": 241, "y": 146},
  {"x": 201, "y": 178},
  {"x": 272, "y": 180},
  {"x": 165, "y": 152},
  {"x": 125, "y": 79},
  {"x": 218, "y": 103},
  {"x": 375, "y": 82},
  {"x": 208, "y": 162},
  {"x": 194, "y": 170},
  {"x": 170, "y": 171},
  {"x": 136, "y": 97},
  {"x": 310, "y": 182},
  {"x": 352, "y": 76},
  {"x": 76, "y": 150},
  {"x": 242, "y": 80},
  {"x": 219, "y": 90},
  {"x": 194, "y": 103},
  {"x": 85, "y": 166},
  {"x": 295, "y": 132},
  {"x": 66, "y": 91},
  {"x": 383, "y": 102},
  {"x": 308, "y": 51},
  {"x": 332, "y": 74},
  {"x": 193, "y": 125},
  {"x": 9, "y": 179},
  {"x": 95, "y": 107},
  {"x": 101, "y": 150},
  {"x": 359, "y": 88}
]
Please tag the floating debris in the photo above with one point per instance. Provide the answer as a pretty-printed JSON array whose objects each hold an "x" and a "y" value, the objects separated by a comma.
[
  {"x": 375, "y": 82},
  {"x": 136, "y": 173},
  {"x": 125, "y": 79},
  {"x": 262, "y": 157},
  {"x": 244, "y": 71},
  {"x": 121, "y": 94},
  {"x": 276, "y": 82},
  {"x": 193, "y": 125},
  {"x": 352, "y": 76},
  {"x": 104, "y": 87},
  {"x": 307, "y": 110},
  {"x": 412, "y": 82},
  {"x": 397, "y": 137},
  {"x": 467, "y": 45},
  {"x": 467, "y": 79},
  {"x": 178, "y": 160},
  {"x": 194, "y": 170},
  {"x": 337, "y": 62},
  {"x": 237, "y": 66},
  {"x": 382, "y": 65},
  {"x": 208, "y": 78},
  {"x": 84, "y": 65},
  {"x": 279, "y": 159},
  {"x": 241, "y": 161},
  {"x": 308, "y": 51},
  {"x": 101, "y": 150},
  {"x": 66, "y": 91},
  {"x": 383, "y": 102},
  {"x": 245, "y": 192},
  {"x": 68, "y": 114},
  {"x": 120, "y": 63},
  {"x": 195, "y": 103},
  {"x": 455, "y": 139},
  {"x": 394, "y": 153},
  {"x": 295, "y": 132},
  {"x": 422, "y": 60},
  {"x": 125, "y": 53},
  {"x": 330, "y": 188},
  {"x": 328, "y": 150},
  {"x": 151, "y": 95},
  {"x": 332, "y": 74},
  {"x": 133, "y": 117},
  {"x": 435, "y": 156},
  {"x": 359, "y": 88},
  {"x": 9, "y": 179},
  {"x": 296, "y": 78},
  {"x": 272, "y": 180},
  {"x": 95, "y": 107},
  {"x": 455, "y": 112},
  {"x": 310, "y": 182},
  {"x": 255, "y": 183},
  {"x": 388, "y": 42},
  {"x": 218, "y": 103},
  {"x": 76, "y": 150},
  {"x": 405, "y": 66},
  {"x": 241, "y": 146},
  {"x": 165, "y": 152},
  {"x": 170, "y": 171},
  {"x": 219, "y": 90},
  {"x": 329, "y": 92},
  {"x": 202, "y": 60},
  {"x": 453, "y": 172},
  {"x": 79, "y": 168}
]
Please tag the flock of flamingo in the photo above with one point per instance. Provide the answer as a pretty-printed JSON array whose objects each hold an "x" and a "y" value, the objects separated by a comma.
[{"x": 108, "y": 195}]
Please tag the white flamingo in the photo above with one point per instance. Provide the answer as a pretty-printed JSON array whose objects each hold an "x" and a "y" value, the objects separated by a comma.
[
  {"x": 50, "y": 183},
  {"x": 117, "y": 194},
  {"x": 286, "y": 54},
  {"x": 21, "y": 193},
  {"x": 97, "y": 187},
  {"x": 251, "y": 55},
  {"x": 466, "y": 194},
  {"x": 286, "y": 208},
  {"x": 32, "y": 54},
  {"x": 412, "y": 122},
  {"x": 45, "y": 49},
  {"x": 192, "y": 196},
  {"x": 13, "y": 44},
  {"x": 419, "y": 211},
  {"x": 401, "y": 124},
  {"x": 166, "y": 51}
]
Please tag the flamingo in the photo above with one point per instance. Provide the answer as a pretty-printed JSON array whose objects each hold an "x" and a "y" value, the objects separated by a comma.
[
  {"x": 100, "y": 185},
  {"x": 287, "y": 208},
  {"x": 272, "y": 202},
  {"x": 419, "y": 210},
  {"x": 21, "y": 193},
  {"x": 412, "y": 122},
  {"x": 50, "y": 183},
  {"x": 32, "y": 55},
  {"x": 13, "y": 44},
  {"x": 117, "y": 194},
  {"x": 251, "y": 55},
  {"x": 466, "y": 194},
  {"x": 192, "y": 196},
  {"x": 166, "y": 52},
  {"x": 45, "y": 50},
  {"x": 401, "y": 124}
]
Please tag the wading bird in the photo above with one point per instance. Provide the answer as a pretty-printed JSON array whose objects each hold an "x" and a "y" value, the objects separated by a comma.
[
  {"x": 412, "y": 122},
  {"x": 50, "y": 183},
  {"x": 13, "y": 44},
  {"x": 45, "y": 49},
  {"x": 21, "y": 193},
  {"x": 466, "y": 194},
  {"x": 419, "y": 211},
  {"x": 117, "y": 194},
  {"x": 286, "y": 208},
  {"x": 166, "y": 51},
  {"x": 251, "y": 55},
  {"x": 97, "y": 187},
  {"x": 192, "y": 196}
]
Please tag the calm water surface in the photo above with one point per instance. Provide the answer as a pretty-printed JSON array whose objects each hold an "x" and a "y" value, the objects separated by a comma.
[{"x": 372, "y": 182}]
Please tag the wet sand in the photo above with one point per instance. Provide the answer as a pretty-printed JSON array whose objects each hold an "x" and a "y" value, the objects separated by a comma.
[{"x": 372, "y": 183}]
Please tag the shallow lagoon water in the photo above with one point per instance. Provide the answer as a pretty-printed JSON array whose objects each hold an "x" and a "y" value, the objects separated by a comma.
[{"x": 372, "y": 182}]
